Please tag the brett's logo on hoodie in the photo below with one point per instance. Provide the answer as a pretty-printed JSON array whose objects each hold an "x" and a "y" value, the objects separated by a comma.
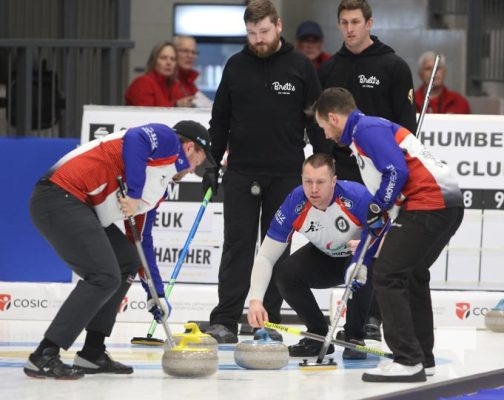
[
  {"x": 283, "y": 88},
  {"x": 370, "y": 82}
]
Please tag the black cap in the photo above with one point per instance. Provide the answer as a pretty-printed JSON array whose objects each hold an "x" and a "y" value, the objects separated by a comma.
[
  {"x": 309, "y": 28},
  {"x": 196, "y": 132}
]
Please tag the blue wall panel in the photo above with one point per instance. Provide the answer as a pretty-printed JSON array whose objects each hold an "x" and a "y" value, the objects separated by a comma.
[{"x": 24, "y": 254}]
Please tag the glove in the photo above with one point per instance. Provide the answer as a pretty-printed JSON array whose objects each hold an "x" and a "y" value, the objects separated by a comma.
[
  {"x": 211, "y": 179},
  {"x": 376, "y": 218},
  {"x": 159, "y": 315},
  {"x": 359, "y": 280}
]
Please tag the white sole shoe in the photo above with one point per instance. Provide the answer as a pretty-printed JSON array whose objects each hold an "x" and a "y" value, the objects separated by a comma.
[{"x": 395, "y": 372}]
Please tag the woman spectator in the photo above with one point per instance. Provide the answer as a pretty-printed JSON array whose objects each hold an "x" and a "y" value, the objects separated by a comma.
[{"x": 158, "y": 86}]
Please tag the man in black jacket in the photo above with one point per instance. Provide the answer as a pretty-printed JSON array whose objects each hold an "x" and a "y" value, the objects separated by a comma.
[
  {"x": 381, "y": 84},
  {"x": 259, "y": 115}
]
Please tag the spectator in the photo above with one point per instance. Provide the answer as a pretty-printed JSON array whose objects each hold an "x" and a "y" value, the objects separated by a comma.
[
  {"x": 441, "y": 99},
  {"x": 381, "y": 84},
  {"x": 310, "y": 42},
  {"x": 186, "y": 56},
  {"x": 158, "y": 86},
  {"x": 407, "y": 180},
  {"x": 260, "y": 113},
  {"x": 187, "y": 75}
]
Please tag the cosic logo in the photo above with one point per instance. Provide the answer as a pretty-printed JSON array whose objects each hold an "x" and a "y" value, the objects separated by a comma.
[
  {"x": 5, "y": 301},
  {"x": 464, "y": 310},
  {"x": 132, "y": 305},
  {"x": 138, "y": 305}
]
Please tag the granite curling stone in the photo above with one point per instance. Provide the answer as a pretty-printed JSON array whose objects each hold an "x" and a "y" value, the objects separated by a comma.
[
  {"x": 185, "y": 361},
  {"x": 494, "y": 318},
  {"x": 264, "y": 353},
  {"x": 198, "y": 339}
]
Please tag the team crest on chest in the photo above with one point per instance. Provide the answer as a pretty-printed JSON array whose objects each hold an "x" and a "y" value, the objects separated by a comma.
[{"x": 342, "y": 224}]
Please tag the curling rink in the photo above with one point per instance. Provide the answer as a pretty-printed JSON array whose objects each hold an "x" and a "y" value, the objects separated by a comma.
[{"x": 468, "y": 360}]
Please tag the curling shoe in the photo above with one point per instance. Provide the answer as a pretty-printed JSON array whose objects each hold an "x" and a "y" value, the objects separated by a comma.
[
  {"x": 49, "y": 365},
  {"x": 222, "y": 334},
  {"x": 430, "y": 368},
  {"x": 372, "y": 329},
  {"x": 352, "y": 354},
  {"x": 272, "y": 333},
  {"x": 389, "y": 371},
  {"x": 308, "y": 348},
  {"x": 102, "y": 365}
]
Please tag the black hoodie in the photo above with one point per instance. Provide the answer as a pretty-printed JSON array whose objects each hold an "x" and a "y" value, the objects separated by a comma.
[
  {"x": 381, "y": 84},
  {"x": 259, "y": 111}
]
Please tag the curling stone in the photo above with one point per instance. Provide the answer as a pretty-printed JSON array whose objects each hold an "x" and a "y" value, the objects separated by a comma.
[
  {"x": 264, "y": 353},
  {"x": 494, "y": 318},
  {"x": 199, "y": 339},
  {"x": 185, "y": 361}
]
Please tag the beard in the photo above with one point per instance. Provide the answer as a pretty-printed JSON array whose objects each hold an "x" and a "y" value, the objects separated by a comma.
[{"x": 264, "y": 50}]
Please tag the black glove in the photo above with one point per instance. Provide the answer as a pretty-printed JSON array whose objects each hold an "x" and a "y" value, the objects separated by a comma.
[
  {"x": 376, "y": 218},
  {"x": 211, "y": 179}
]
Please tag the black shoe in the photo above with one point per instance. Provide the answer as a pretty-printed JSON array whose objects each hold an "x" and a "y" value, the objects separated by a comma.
[
  {"x": 49, "y": 365},
  {"x": 103, "y": 365},
  {"x": 340, "y": 335},
  {"x": 222, "y": 334},
  {"x": 308, "y": 348},
  {"x": 272, "y": 333},
  {"x": 372, "y": 329},
  {"x": 352, "y": 354}
]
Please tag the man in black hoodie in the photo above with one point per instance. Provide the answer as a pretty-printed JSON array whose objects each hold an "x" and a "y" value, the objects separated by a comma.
[
  {"x": 381, "y": 84},
  {"x": 260, "y": 116}
]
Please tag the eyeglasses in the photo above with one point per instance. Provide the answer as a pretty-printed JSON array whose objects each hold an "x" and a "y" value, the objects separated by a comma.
[{"x": 188, "y": 51}]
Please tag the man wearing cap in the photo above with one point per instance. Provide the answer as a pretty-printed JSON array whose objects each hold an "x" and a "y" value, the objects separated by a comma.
[
  {"x": 310, "y": 42},
  {"x": 75, "y": 206}
]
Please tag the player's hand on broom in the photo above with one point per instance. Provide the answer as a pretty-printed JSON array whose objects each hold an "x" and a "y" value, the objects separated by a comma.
[
  {"x": 359, "y": 280},
  {"x": 159, "y": 314},
  {"x": 128, "y": 205},
  {"x": 257, "y": 314}
]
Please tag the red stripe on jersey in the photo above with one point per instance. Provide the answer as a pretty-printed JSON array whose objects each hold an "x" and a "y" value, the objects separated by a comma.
[
  {"x": 162, "y": 161},
  {"x": 422, "y": 189},
  {"x": 401, "y": 134},
  {"x": 299, "y": 221},
  {"x": 347, "y": 212}
]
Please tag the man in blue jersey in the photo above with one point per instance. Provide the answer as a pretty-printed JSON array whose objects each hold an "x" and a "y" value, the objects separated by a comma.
[
  {"x": 75, "y": 206},
  {"x": 402, "y": 175},
  {"x": 331, "y": 214}
]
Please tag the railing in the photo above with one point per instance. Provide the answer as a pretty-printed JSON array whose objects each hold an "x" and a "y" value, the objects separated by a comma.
[
  {"x": 485, "y": 37},
  {"x": 49, "y": 81}
]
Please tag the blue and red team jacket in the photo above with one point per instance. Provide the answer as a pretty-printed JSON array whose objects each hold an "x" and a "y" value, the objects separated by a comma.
[
  {"x": 147, "y": 157},
  {"x": 396, "y": 167}
]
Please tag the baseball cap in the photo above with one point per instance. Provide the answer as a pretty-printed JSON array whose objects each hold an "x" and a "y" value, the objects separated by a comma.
[
  {"x": 309, "y": 28},
  {"x": 196, "y": 132}
]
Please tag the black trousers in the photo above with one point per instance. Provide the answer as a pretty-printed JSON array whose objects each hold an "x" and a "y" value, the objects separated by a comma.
[
  {"x": 242, "y": 212},
  {"x": 308, "y": 268},
  {"x": 401, "y": 280},
  {"x": 104, "y": 259}
]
